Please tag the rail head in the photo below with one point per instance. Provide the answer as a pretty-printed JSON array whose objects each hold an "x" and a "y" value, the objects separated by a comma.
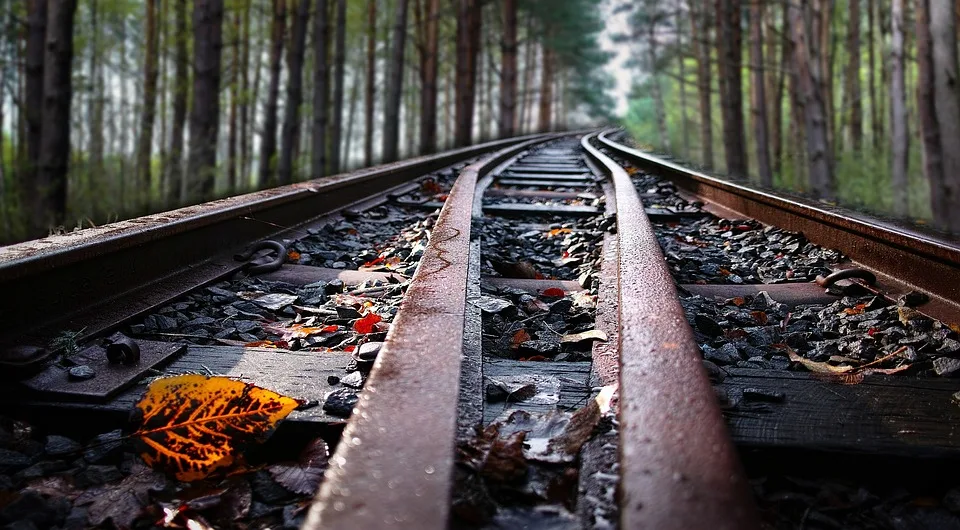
[
  {"x": 679, "y": 469},
  {"x": 394, "y": 464}
]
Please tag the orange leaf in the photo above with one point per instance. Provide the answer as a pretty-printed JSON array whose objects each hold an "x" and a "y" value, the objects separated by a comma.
[
  {"x": 266, "y": 344},
  {"x": 725, "y": 272},
  {"x": 350, "y": 349},
  {"x": 293, "y": 255},
  {"x": 367, "y": 323},
  {"x": 738, "y": 301},
  {"x": 374, "y": 263},
  {"x": 855, "y": 310},
  {"x": 193, "y": 425},
  {"x": 558, "y": 231},
  {"x": 760, "y": 317},
  {"x": 553, "y": 292},
  {"x": 519, "y": 338}
]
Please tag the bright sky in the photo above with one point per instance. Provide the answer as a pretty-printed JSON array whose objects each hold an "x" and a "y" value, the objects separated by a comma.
[{"x": 617, "y": 24}]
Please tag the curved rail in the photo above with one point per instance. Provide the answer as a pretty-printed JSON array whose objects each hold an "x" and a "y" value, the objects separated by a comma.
[
  {"x": 95, "y": 278},
  {"x": 678, "y": 467},
  {"x": 920, "y": 261}
]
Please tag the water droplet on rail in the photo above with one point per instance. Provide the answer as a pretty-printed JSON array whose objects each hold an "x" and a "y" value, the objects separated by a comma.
[
  {"x": 339, "y": 506},
  {"x": 429, "y": 470}
]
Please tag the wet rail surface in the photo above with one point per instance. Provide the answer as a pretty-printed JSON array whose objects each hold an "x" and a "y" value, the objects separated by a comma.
[{"x": 540, "y": 335}]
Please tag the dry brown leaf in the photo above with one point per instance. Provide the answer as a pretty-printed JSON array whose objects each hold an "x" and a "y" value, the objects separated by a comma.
[
  {"x": 519, "y": 338},
  {"x": 122, "y": 502},
  {"x": 817, "y": 367},
  {"x": 55, "y": 486},
  {"x": 304, "y": 476},
  {"x": 593, "y": 334}
]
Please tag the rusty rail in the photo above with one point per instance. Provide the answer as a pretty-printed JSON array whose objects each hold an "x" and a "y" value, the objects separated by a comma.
[
  {"x": 394, "y": 464},
  {"x": 909, "y": 258},
  {"x": 678, "y": 466},
  {"x": 96, "y": 278}
]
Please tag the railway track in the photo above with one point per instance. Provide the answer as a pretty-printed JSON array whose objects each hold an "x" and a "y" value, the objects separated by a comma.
[{"x": 584, "y": 336}]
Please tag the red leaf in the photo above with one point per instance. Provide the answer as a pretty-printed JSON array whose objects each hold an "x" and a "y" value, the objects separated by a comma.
[
  {"x": 519, "y": 338},
  {"x": 553, "y": 292},
  {"x": 377, "y": 261},
  {"x": 349, "y": 349},
  {"x": 367, "y": 323}
]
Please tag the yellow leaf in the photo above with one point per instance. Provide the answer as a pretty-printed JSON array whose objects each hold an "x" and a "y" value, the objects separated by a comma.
[
  {"x": 817, "y": 367},
  {"x": 193, "y": 425}
]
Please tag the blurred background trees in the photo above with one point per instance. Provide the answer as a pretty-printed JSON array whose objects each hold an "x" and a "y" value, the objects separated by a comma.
[{"x": 111, "y": 109}]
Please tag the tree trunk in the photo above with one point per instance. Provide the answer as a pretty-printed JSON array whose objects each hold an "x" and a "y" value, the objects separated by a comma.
[
  {"x": 36, "y": 42},
  {"x": 181, "y": 78},
  {"x": 729, "y": 55},
  {"x": 508, "y": 73},
  {"x": 927, "y": 111},
  {"x": 95, "y": 107},
  {"x": 205, "y": 113},
  {"x": 245, "y": 98},
  {"x": 528, "y": 67},
  {"x": 394, "y": 85},
  {"x": 232, "y": 116},
  {"x": 759, "y": 94},
  {"x": 354, "y": 95},
  {"x": 658, "y": 104},
  {"x": 291, "y": 111},
  {"x": 468, "y": 44},
  {"x": 546, "y": 91},
  {"x": 943, "y": 29},
  {"x": 54, "y": 156},
  {"x": 321, "y": 89},
  {"x": 853, "y": 76},
  {"x": 807, "y": 61},
  {"x": 898, "y": 113},
  {"x": 429, "y": 64},
  {"x": 682, "y": 72},
  {"x": 371, "y": 90},
  {"x": 872, "y": 60},
  {"x": 268, "y": 147},
  {"x": 338, "y": 75},
  {"x": 777, "y": 104},
  {"x": 701, "y": 45},
  {"x": 150, "y": 74}
]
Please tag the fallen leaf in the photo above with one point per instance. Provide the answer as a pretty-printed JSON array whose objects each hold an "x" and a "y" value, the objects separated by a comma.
[
  {"x": 494, "y": 458},
  {"x": 760, "y": 317},
  {"x": 122, "y": 502},
  {"x": 519, "y": 337},
  {"x": 293, "y": 255},
  {"x": 593, "y": 334},
  {"x": 55, "y": 486},
  {"x": 816, "y": 367},
  {"x": 558, "y": 231},
  {"x": 193, "y": 425},
  {"x": 738, "y": 301},
  {"x": 855, "y": 310},
  {"x": 553, "y": 292},
  {"x": 267, "y": 344},
  {"x": 303, "y": 476},
  {"x": 367, "y": 324},
  {"x": 955, "y": 328}
]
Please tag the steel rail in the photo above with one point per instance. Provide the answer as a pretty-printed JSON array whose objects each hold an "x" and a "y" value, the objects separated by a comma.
[
  {"x": 394, "y": 464},
  {"x": 96, "y": 278},
  {"x": 678, "y": 466},
  {"x": 910, "y": 258}
]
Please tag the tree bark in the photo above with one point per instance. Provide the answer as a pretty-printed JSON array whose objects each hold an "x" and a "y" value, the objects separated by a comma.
[
  {"x": 777, "y": 103},
  {"x": 36, "y": 42},
  {"x": 291, "y": 111},
  {"x": 268, "y": 147},
  {"x": 205, "y": 113},
  {"x": 927, "y": 111},
  {"x": 321, "y": 89},
  {"x": 96, "y": 101},
  {"x": 181, "y": 78},
  {"x": 853, "y": 76},
  {"x": 354, "y": 95},
  {"x": 245, "y": 97},
  {"x": 729, "y": 55},
  {"x": 528, "y": 68},
  {"x": 508, "y": 74},
  {"x": 807, "y": 61},
  {"x": 338, "y": 79},
  {"x": 371, "y": 82},
  {"x": 658, "y": 105},
  {"x": 546, "y": 91},
  {"x": 468, "y": 44},
  {"x": 872, "y": 60},
  {"x": 943, "y": 30},
  {"x": 898, "y": 113},
  {"x": 150, "y": 74},
  {"x": 394, "y": 85},
  {"x": 54, "y": 156},
  {"x": 429, "y": 66},
  {"x": 682, "y": 72},
  {"x": 232, "y": 116},
  {"x": 701, "y": 45},
  {"x": 759, "y": 94}
]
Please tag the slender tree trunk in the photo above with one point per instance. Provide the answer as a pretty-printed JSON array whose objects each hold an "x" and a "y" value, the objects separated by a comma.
[
  {"x": 682, "y": 72},
  {"x": 291, "y": 118},
  {"x": 853, "y": 77},
  {"x": 701, "y": 44},
  {"x": 658, "y": 104},
  {"x": 245, "y": 98},
  {"x": 181, "y": 80},
  {"x": 150, "y": 74},
  {"x": 232, "y": 116},
  {"x": 898, "y": 113},
  {"x": 546, "y": 91},
  {"x": 205, "y": 113},
  {"x": 54, "y": 156},
  {"x": 268, "y": 143},
  {"x": 36, "y": 42},
  {"x": 943, "y": 30},
  {"x": 927, "y": 111},
  {"x": 338, "y": 78},
  {"x": 777, "y": 104},
  {"x": 729, "y": 40},
  {"x": 354, "y": 95},
  {"x": 394, "y": 88},
  {"x": 484, "y": 122},
  {"x": 468, "y": 44},
  {"x": 528, "y": 68},
  {"x": 872, "y": 61},
  {"x": 95, "y": 107},
  {"x": 321, "y": 88},
  {"x": 429, "y": 64},
  {"x": 807, "y": 61},
  {"x": 371, "y": 81},
  {"x": 759, "y": 94},
  {"x": 508, "y": 74}
]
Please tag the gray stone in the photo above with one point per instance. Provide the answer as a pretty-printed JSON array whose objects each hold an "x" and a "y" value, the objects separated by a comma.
[
  {"x": 368, "y": 351},
  {"x": 946, "y": 365},
  {"x": 276, "y": 301},
  {"x": 340, "y": 402},
  {"x": 60, "y": 445},
  {"x": 353, "y": 380},
  {"x": 97, "y": 475},
  {"x": 489, "y": 304},
  {"x": 81, "y": 373}
]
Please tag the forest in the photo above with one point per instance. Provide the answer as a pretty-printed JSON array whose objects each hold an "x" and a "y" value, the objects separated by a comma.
[
  {"x": 854, "y": 102},
  {"x": 111, "y": 109}
]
